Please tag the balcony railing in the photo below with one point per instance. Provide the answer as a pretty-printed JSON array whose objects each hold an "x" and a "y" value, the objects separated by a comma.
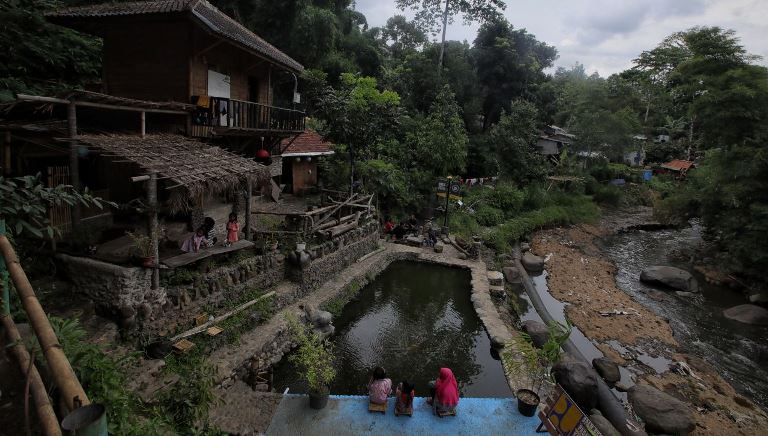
[{"x": 247, "y": 115}]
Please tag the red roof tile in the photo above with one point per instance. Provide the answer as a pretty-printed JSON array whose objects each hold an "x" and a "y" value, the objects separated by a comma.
[
  {"x": 305, "y": 144},
  {"x": 678, "y": 165},
  {"x": 212, "y": 18}
]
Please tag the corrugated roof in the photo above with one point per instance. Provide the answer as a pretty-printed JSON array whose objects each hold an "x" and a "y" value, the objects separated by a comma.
[
  {"x": 307, "y": 143},
  {"x": 211, "y": 17},
  {"x": 678, "y": 165}
]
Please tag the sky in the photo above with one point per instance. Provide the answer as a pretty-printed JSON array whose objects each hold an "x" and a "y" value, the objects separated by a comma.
[{"x": 605, "y": 35}]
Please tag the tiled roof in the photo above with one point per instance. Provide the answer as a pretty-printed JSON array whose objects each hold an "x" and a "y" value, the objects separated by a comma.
[
  {"x": 678, "y": 165},
  {"x": 307, "y": 143},
  {"x": 212, "y": 18}
]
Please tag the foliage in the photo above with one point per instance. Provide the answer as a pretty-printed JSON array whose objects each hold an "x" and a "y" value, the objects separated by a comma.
[
  {"x": 336, "y": 305},
  {"x": 25, "y": 201},
  {"x": 39, "y": 57},
  {"x": 189, "y": 400},
  {"x": 514, "y": 137},
  {"x": 142, "y": 243},
  {"x": 313, "y": 357},
  {"x": 440, "y": 141},
  {"x": 521, "y": 359},
  {"x": 607, "y": 194},
  {"x": 103, "y": 378}
]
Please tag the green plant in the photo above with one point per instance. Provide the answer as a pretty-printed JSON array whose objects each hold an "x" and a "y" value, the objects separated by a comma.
[
  {"x": 608, "y": 194},
  {"x": 189, "y": 400},
  {"x": 313, "y": 357},
  {"x": 142, "y": 243},
  {"x": 336, "y": 304},
  {"x": 103, "y": 378},
  {"x": 521, "y": 359}
]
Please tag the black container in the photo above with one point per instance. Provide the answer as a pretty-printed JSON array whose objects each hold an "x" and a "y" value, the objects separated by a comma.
[
  {"x": 317, "y": 400},
  {"x": 523, "y": 405}
]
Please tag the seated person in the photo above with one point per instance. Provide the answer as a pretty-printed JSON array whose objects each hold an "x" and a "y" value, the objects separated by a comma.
[
  {"x": 388, "y": 225},
  {"x": 399, "y": 231},
  {"x": 210, "y": 233},
  {"x": 404, "y": 395},
  {"x": 379, "y": 386},
  {"x": 193, "y": 243},
  {"x": 444, "y": 392}
]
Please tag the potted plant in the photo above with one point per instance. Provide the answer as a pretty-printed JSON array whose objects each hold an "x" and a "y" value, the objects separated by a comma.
[
  {"x": 523, "y": 361},
  {"x": 313, "y": 359},
  {"x": 143, "y": 244}
]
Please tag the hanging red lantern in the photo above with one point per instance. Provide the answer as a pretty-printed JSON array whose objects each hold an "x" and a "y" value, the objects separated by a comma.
[{"x": 262, "y": 154}]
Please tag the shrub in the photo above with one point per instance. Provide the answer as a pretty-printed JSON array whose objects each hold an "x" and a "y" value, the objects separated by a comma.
[
  {"x": 313, "y": 357},
  {"x": 489, "y": 216},
  {"x": 608, "y": 194}
]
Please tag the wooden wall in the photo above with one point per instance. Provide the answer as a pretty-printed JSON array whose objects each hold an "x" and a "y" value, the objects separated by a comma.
[
  {"x": 304, "y": 175},
  {"x": 147, "y": 60}
]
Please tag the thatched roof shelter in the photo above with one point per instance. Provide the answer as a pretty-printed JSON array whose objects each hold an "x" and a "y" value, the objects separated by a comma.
[{"x": 190, "y": 167}]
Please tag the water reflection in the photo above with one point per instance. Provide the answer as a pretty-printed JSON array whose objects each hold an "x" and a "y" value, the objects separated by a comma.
[{"x": 414, "y": 319}]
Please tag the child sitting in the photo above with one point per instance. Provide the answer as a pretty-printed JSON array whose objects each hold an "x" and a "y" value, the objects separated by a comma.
[
  {"x": 193, "y": 243},
  {"x": 404, "y": 394},
  {"x": 379, "y": 386}
]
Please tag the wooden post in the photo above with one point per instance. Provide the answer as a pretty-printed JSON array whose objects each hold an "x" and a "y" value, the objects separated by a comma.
[
  {"x": 248, "y": 198},
  {"x": 143, "y": 124},
  {"x": 154, "y": 231},
  {"x": 7, "y": 152},
  {"x": 74, "y": 159}
]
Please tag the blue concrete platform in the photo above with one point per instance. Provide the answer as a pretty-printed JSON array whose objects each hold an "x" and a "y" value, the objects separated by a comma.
[{"x": 348, "y": 415}]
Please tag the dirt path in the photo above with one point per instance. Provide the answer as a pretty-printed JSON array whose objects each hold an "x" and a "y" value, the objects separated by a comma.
[{"x": 580, "y": 276}]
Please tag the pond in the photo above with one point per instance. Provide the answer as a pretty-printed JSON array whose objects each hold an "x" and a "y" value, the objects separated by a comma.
[{"x": 413, "y": 319}]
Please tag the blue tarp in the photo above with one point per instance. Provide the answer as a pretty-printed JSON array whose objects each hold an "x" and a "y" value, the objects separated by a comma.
[{"x": 348, "y": 415}]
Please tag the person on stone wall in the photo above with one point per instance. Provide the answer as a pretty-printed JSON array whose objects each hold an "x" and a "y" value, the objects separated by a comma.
[
  {"x": 444, "y": 392},
  {"x": 379, "y": 386}
]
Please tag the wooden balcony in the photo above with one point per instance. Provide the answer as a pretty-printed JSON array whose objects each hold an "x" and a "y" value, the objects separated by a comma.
[{"x": 237, "y": 117}]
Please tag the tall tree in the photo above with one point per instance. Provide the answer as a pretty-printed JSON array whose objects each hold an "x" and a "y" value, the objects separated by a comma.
[
  {"x": 514, "y": 138},
  {"x": 510, "y": 64},
  {"x": 434, "y": 14}
]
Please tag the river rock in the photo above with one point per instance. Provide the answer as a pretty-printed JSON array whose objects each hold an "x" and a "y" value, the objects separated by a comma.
[
  {"x": 439, "y": 247},
  {"x": 607, "y": 368},
  {"x": 533, "y": 263},
  {"x": 579, "y": 380},
  {"x": 413, "y": 241},
  {"x": 321, "y": 318},
  {"x": 672, "y": 277},
  {"x": 495, "y": 278},
  {"x": 748, "y": 314},
  {"x": 524, "y": 246},
  {"x": 497, "y": 292},
  {"x": 538, "y": 331},
  {"x": 662, "y": 413},
  {"x": 511, "y": 274},
  {"x": 603, "y": 425}
]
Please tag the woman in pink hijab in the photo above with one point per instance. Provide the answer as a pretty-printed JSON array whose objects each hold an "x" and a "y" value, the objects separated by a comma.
[{"x": 446, "y": 392}]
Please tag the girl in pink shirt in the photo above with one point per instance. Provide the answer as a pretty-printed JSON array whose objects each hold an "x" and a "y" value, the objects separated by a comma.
[
  {"x": 233, "y": 229},
  {"x": 379, "y": 386}
]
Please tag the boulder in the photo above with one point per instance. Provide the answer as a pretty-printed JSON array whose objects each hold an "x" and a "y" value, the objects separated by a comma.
[
  {"x": 579, "y": 380},
  {"x": 495, "y": 278},
  {"x": 321, "y": 318},
  {"x": 413, "y": 241},
  {"x": 607, "y": 368},
  {"x": 439, "y": 247},
  {"x": 603, "y": 425},
  {"x": 533, "y": 263},
  {"x": 524, "y": 246},
  {"x": 671, "y": 277},
  {"x": 498, "y": 292},
  {"x": 511, "y": 274},
  {"x": 747, "y": 314},
  {"x": 538, "y": 331},
  {"x": 662, "y": 413}
]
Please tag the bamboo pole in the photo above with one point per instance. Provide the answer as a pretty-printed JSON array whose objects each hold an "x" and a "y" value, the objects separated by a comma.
[
  {"x": 154, "y": 232},
  {"x": 49, "y": 424},
  {"x": 61, "y": 370},
  {"x": 74, "y": 159},
  {"x": 238, "y": 309},
  {"x": 248, "y": 200}
]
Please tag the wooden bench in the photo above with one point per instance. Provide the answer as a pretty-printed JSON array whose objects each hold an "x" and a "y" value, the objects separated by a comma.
[
  {"x": 187, "y": 258},
  {"x": 408, "y": 411},
  {"x": 442, "y": 413},
  {"x": 374, "y": 408}
]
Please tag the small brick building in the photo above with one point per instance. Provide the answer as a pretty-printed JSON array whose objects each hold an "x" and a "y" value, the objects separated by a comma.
[{"x": 300, "y": 155}]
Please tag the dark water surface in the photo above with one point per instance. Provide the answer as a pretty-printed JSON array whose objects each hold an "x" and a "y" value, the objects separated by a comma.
[
  {"x": 738, "y": 351},
  {"x": 413, "y": 319}
]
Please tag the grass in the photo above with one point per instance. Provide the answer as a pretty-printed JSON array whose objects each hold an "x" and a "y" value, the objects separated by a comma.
[{"x": 336, "y": 304}]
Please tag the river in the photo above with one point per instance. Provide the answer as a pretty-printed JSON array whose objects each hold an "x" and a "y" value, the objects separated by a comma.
[{"x": 738, "y": 351}]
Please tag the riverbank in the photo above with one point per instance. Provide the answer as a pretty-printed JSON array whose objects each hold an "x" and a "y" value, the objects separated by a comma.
[{"x": 580, "y": 275}]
